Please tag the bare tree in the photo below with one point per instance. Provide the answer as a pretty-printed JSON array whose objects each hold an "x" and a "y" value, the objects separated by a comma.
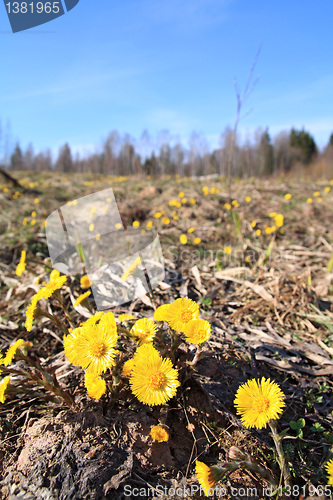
[{"x": 241, "y": 97}]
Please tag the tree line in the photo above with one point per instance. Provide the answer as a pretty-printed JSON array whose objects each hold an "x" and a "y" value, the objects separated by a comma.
[{"x": 122, "y": 155}]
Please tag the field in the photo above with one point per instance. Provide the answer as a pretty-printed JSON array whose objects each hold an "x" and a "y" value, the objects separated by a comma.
[{"x": 258, "y": 261}]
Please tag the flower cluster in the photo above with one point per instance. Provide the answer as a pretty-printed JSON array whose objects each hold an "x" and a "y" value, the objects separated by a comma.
[
  {"x": 183, "y": 316},
  {"x": 56, "y": 282}
]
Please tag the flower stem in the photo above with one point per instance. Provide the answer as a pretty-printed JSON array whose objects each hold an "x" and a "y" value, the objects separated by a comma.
[{"x": 280, "y": 453}]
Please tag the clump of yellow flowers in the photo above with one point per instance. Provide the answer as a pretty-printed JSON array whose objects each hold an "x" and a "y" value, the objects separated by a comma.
[{"x": 154, "y": 371}]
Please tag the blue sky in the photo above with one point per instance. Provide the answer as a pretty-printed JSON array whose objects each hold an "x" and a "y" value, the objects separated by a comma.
[{"x": 132, "y": 65}]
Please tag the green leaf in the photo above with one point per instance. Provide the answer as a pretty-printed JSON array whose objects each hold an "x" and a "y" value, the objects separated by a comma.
[
  {"x": 317, "y": 427},
  {"x": 297, "y": 425}
]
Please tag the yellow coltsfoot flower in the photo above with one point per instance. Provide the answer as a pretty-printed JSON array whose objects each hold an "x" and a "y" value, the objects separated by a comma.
[
  {"x": 329, "y": 469},
  {"x": 127, "y": 368},
  {"x": 197, "y": 331},
  {"x": 125, "y": 317},
  {"x": 85, "y": 282},
  {"x": 10, "y": 354},
  {"x": 153, "y": 380},
  {"x": 181, "y": 312},
  {"x": 95, "y": 385},
  {"x": 257, "y": 402},
  {"x": 144, "y": 330},
  {"x": 132, "y": 268},
  {"x": 3, "y": 386},
  {"x": 93, "y": 346},
  {"x": 159, "y": 433},
  {"x": 21, "y": 265},
  {"x": 81, "y": 298},
  {"x": 207, "y": 476},
  {"x": 161, "y": 313}
]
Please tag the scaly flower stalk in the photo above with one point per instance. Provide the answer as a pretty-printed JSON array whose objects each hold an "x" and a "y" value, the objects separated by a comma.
[{"x": 280, "y": 453}]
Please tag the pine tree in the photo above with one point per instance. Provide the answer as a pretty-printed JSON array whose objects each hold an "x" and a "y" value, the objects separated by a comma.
[{"x": 305, "y": 143}]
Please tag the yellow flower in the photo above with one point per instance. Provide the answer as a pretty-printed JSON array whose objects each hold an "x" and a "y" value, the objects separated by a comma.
[
  {"x": 227, "y": 250},
  {"x": 197, "y": 241},
  {"x": 95, "y": 385},
  {"x": 184, "y": 200},
  {"x": 329, "y": 469},
  {"x": 253, "y": 224},
  {"x": 92, "y": 347},
  {"x": 173, "y": 202},
  {"x": 136, "y": 223},
  {"x": 85, "y": 282},
  {"x": 207, "y": 476},
  {"x": 55, "y": 274},
  {"x": 118, "y": 225},
  {"x": 183, "y": 239},
  {"x": 161, "y": 313},
  {"x": 258, "y": 232},
  {"x": 257, "y": 402},
  {"x": 268, "y": 230},
  {"x": 190, "y": 230},
  {"x": 3, "y": 386},
  {"x": 29, "y": 313},
  {"x": 205, "y": 190},
  {"x": 91, "y": 227},
  {"x": 166, "y": 220},
  {"x": 125, "y": 317},
  {"x": 248, "y": 199},
  {"x": 235, "y": 203},
  {"x": 287, "y": 196},
  {"x": 181, "y": 194},
  {"x": 327, "y": 189},
  {"x": 36, "y": 200},
  {"x": 131, "y": 269},
  {"x": 149, "y": 225},
  {"x": 159, "y": 433},
  {"x": 197, "y": 331},
  {"x": 319, "y": 199},
  {"x": 192, "y": 201},
  {"x": 143, "y": 330},
  {"x": 33, "y": 213},
  {"x": 272, "y": 215},
  {"x": 273, "y": 229},
  {"x": 10, "y": 354},
  {"x": 309, "y": 200},
  {"x": 279, "y": 220},
  {"x": 43, "y": 293},
  {"x": 181, "y": 312},
  {"x": 21, "y": 265},
  {"x": 81, "y": 298},
  {"x": 93, "y": 319},
  {"x": 227, "y": 206},
  {"x": 25, "y": 221},
  {"x": 175, "y": 217},
  {"x": 316, "y": 193},
  {"x": 212, "y": 190},
  {"x": 33, "y": 222},
  {"x": 158, "y": 215},
  {"x": 127, "y": 368},
  {"x": 153, "y": 380}
]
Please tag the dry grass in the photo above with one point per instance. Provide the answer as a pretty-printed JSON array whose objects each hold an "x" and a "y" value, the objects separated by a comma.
[{"x": 269, "y": 302}]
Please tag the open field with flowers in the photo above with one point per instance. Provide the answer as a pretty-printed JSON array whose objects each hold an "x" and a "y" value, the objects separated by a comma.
[{"x": 220, "y": 378}]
